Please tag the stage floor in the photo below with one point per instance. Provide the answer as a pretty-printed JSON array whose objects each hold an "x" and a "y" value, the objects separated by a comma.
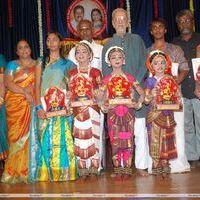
[{"x": 177, "y": 186}]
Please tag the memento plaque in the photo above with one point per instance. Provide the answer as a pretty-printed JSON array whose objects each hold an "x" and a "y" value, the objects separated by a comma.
[{"x": 168, "y": 94}]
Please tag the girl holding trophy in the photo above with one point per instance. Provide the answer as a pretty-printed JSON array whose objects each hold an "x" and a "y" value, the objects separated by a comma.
[
  {"x": 163, "y": 96},
  {"x": 118, "y": 89},
  {"x": 83, "y": 83}
]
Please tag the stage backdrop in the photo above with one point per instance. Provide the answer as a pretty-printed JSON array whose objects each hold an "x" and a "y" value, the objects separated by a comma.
[{"x": 32, "y": 19}]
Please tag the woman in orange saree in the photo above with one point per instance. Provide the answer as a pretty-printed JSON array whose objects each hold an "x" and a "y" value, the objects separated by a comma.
[{"x": 20, "y": 166}]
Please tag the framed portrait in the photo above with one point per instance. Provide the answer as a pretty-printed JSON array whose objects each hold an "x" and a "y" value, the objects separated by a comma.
[{"x": 92, "y": 10}]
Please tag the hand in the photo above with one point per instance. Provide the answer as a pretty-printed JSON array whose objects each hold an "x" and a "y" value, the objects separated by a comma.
[
  {"x": 132, "y": 93},
  {"x": 153, "y": 92},
  {"x": 175, "y": 78},
  {"x": 105, "y": 107},
  {"x": 197, "y": 93},
  {"x": 198, "y": 51},
  {"x": 41, "y": 114},
  {"x": 27, "y": 89},
  {"x": 136, "y": 105},
  {"x": 197, "y": 89},
  {"x": 148, "y": 98},
  {"x": 29, "y": 97}
]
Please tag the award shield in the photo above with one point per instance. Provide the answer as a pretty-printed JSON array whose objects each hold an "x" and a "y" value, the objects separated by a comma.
[
  {"x": 119, "y": 91},
  {"x": 81, "y": 91},
  {"x": 168, "y": 96},
  {"x": 54, "y": 102}
]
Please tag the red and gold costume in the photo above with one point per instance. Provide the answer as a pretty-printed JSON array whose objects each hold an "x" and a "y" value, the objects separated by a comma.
[
  {"x": 86, "y": 128},
  {"x": 160, "y": 117},
  {"x": 120, "y": 119}
]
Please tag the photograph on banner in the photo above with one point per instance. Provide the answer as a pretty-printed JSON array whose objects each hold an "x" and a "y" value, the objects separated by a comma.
[{"x": 93, "y": 10}]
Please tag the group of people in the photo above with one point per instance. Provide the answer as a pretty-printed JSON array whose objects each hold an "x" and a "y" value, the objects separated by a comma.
[{"x": 56, "y": 107}]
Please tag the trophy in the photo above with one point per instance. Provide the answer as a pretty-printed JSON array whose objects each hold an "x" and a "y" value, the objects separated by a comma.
[
  {"x": 81, "y": 91},
  {"x": 54, "y": 102},
  {"x": 119, "y": 91},
  {"x": 168, "y": 96}
]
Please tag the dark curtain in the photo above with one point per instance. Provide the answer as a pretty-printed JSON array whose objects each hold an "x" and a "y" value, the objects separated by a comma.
[
  {"x": 141, "y": 16},
  {"x": 24, "y": 26},
  {"x": 197, "y": 15},
  {"x": 5, "y": 32}
]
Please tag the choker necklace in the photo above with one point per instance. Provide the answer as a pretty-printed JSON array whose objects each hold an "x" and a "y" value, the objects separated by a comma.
[
  {"x": 118, "y": 74},
  {"x": 84, "y": 70}
]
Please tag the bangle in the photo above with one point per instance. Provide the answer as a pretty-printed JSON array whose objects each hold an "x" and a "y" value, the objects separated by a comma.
[{"x": 38, "y": 107}]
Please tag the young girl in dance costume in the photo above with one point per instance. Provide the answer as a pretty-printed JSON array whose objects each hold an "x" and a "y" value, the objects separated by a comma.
[
  {"x": 118, "y": 89},
  {"x": 84, "y": 81},
  {"x": 160, "y": 123}
]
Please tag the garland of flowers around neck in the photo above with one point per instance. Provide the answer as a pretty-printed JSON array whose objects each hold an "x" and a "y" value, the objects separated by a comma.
[
  {"x": 40, "y": 27},
  {"x": 129, "y": 15}
]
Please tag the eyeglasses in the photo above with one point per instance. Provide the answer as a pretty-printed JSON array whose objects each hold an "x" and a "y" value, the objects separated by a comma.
[{"x": 185, "y": 21}]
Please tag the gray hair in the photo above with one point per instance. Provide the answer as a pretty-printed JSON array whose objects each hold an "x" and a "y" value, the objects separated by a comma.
[
  {"x": 183, "y": 13},
  {"x": 119, "y": 9}
]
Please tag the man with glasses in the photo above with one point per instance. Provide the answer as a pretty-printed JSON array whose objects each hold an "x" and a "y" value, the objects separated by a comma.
[{"x": 189, "y": 41}]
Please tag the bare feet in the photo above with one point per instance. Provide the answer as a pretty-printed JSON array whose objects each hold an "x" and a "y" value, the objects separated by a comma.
[{"x": 142, "y": 172}]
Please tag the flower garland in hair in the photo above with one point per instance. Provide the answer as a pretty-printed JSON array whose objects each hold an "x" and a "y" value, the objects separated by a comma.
[
  {"x": 40, "y": 27},
  {"x": 129, "y": 15}
]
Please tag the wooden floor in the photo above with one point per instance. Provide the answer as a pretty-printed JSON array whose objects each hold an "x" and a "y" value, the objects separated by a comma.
[{"x": 178, "y": 186}]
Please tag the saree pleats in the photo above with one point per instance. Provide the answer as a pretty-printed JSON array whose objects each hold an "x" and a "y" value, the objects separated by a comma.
[{"x": 58, "y": 161}]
